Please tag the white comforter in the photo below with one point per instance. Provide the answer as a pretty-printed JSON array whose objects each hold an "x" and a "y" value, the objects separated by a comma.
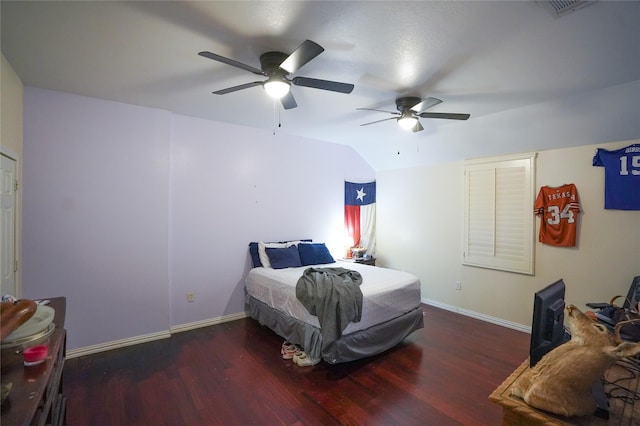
[{"x": 387, "y": 293}]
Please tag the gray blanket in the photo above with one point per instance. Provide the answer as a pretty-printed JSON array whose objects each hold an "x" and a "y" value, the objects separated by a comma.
[{"x": 334, "y": 296}]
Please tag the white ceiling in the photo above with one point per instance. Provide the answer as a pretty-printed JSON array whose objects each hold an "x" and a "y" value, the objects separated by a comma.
[{"x": 480, "y": 58}]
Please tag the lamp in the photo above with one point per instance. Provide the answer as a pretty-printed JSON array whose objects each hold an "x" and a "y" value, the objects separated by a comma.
[
  {"x": 276, "y": 88},
  {"x": 407, "y": 121}
]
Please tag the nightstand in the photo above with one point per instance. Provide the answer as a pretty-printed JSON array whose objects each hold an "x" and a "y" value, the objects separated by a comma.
[{"x": 370, "y": 261}]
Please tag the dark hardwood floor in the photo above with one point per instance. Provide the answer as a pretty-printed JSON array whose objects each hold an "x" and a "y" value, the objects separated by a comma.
[{"x": 233, "y": 374}]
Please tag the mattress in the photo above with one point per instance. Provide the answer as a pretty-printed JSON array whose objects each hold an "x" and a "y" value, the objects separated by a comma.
[{"x": 387, "y": 293}]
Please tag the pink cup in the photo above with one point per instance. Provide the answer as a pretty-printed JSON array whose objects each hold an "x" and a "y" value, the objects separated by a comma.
[{"x": 35, "y": 355}]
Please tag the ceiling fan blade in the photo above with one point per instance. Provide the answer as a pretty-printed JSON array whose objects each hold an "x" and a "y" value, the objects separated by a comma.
[
  {"x": 445, "y": 115},
  {"x": 333, "y": 86},
  {"x": 378, "y": 121},
  {"x": 231, "y": 62},
  {"x": 303, "y": 54},
  {"x": 288, "y": 101},
  {"x": 425, "y": 104},
  {"x": 236, "y": 88},
  {"x": 378, "y": 110},
  {"x": 417, "y": 128}
]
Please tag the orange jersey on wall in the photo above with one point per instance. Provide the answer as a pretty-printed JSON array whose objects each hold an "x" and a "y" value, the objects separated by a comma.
[{"x": 558, "y": 208}]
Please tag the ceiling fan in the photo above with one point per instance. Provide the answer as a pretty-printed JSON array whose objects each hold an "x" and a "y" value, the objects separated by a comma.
[
  {"x": 277, "y": 66},
  {"x": 411, "y": 108}
]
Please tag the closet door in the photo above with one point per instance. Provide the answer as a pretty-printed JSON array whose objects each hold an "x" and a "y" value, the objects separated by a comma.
[{"x": 8, "y": 259}]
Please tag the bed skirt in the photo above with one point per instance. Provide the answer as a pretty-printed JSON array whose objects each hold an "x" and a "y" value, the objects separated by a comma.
[{"x": 349, "y": 347}]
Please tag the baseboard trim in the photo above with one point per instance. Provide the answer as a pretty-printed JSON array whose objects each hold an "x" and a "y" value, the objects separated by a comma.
[
  {"x": 115, "y": 344},
  {"x": 478, "y": 315},
  {"x": 136, "y": 340},
  {"x": 205, "y": 323}
]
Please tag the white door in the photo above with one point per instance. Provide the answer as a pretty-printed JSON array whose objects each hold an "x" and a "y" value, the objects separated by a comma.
[{"x": 8, "y": 226}]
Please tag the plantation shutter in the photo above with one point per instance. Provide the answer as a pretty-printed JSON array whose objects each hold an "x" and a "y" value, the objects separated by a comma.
[{"x": 499, "y": 221}]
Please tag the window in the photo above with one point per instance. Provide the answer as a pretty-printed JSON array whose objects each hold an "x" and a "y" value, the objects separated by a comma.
[{"x": 499, "y": 224}]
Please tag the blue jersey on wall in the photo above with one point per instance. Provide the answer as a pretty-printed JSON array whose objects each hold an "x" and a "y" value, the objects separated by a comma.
[{"x": 621, "y": 177}]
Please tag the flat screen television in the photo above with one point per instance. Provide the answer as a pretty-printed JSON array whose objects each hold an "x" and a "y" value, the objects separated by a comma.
[{"x": 547, "y": 327}]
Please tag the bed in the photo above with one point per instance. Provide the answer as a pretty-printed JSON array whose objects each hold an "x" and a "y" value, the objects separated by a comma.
[{"x": 391, "y": 308}]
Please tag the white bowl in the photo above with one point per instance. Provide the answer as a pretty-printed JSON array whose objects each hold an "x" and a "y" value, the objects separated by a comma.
[{"x": 36, "y": 324}]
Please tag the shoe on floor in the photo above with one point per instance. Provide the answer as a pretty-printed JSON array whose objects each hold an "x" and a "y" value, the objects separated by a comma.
[
  {"x": 285, "y": 345},
  {"x": 304, "y": 360},
  {"x": 289, "y": 351},
  {"x": 297, "y": 355}
]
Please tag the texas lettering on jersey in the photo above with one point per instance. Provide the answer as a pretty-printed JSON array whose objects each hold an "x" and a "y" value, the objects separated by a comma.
[
  {"x": 558, "y": 208},
  {"x": 621, "y": 177}
]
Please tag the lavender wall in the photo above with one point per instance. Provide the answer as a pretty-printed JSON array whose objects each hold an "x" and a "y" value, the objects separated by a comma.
[
  {"x": 126, "y": 209},
  {"x": 231, "y": 185},
  {"x": 95, "y": 223}
]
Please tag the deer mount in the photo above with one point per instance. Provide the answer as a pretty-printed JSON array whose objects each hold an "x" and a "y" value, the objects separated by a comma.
[{"x": 561, "y": 381}]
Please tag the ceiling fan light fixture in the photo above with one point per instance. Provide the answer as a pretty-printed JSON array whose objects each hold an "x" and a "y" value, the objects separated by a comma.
[
  {"x": 407, "y": 122},
  {"x": 276, "y": 88}
]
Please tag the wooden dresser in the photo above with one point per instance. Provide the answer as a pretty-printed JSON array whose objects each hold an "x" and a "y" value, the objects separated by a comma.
[
  {"x": 622, "y": 412},
  {"x": 36, "y": 395}
]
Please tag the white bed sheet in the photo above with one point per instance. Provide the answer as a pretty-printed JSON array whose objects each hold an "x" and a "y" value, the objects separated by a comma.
[{"x": 387, "y": 293}]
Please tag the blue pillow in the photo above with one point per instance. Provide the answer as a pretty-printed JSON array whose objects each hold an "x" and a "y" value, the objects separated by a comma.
[
  {"x": 255, "y": 257},
  {"x": 314, "y": 254},
  {"x": 284, "y": 257}
]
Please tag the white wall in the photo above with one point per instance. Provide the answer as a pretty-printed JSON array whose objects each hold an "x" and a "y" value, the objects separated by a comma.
[
  {"x": 11, "y": 101},
  {"x": 129, "y": 208},
  {"x": 420, "y": 217}
]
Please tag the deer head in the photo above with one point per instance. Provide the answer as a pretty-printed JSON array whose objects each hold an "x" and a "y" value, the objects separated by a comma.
[{"x": 561, "y": 381}]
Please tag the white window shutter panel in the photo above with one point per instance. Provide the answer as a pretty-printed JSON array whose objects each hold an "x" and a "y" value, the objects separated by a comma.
[
  {"x": 499, "y": 221},
  {"x": 481, "y": 219}
]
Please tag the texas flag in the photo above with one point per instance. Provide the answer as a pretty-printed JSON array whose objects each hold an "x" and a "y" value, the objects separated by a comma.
[{"x": 360, "y": 214}]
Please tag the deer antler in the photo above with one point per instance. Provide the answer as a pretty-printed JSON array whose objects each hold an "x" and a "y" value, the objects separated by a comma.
[
  {"x": 616, "y": 332},
  {"x": 619, "y": 324}
]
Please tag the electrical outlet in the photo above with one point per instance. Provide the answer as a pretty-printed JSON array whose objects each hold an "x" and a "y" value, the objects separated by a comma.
[
  {"x": 190, "y": 296},
  {"x": 458, "y": 285}
]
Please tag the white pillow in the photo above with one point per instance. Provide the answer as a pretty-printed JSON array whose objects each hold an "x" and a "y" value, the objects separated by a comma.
[{"x": 262, "y": 253}]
